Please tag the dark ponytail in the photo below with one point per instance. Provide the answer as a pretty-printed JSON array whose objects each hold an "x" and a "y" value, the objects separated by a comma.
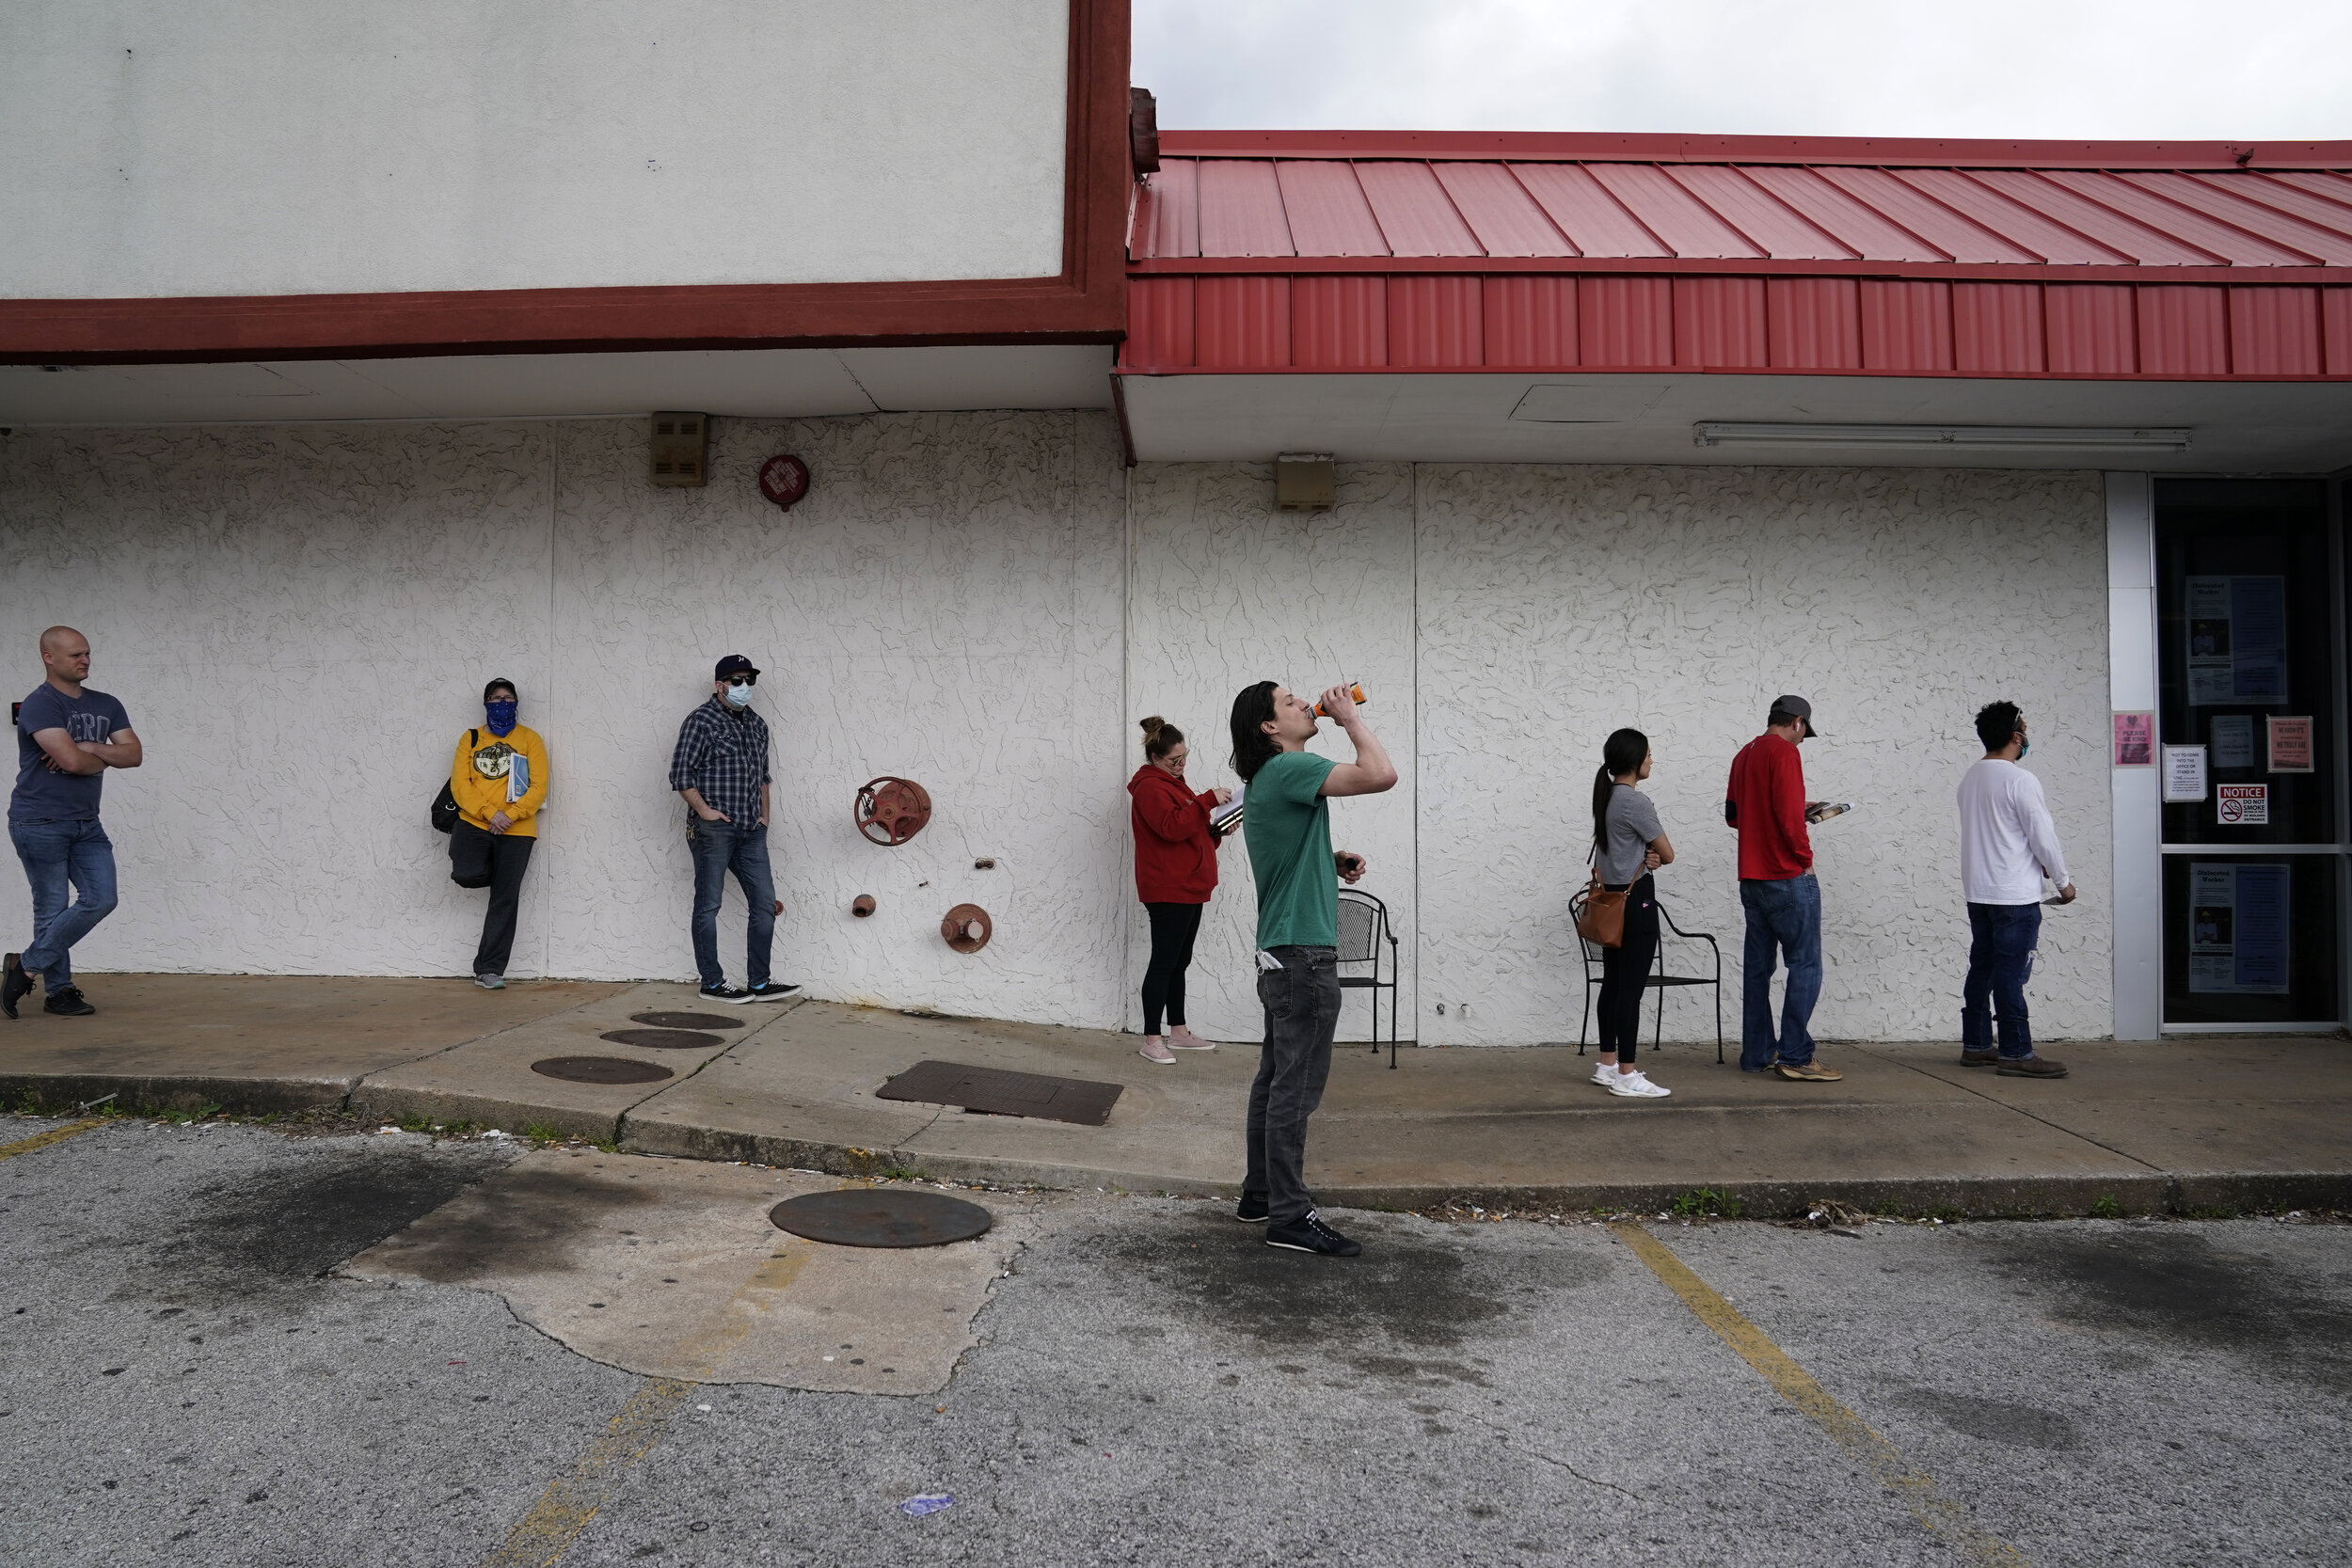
[
  {"x": 1159, "y": 738},
  {"x": 1252, "y": 746},
  {"x": 1622, "y": 753}
]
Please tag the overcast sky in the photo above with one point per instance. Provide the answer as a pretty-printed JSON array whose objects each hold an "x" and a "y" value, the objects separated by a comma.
[{"x": 2146, "y": 70}]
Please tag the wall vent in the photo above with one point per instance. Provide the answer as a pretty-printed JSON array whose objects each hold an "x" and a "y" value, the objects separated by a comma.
[{"x": 679, "y": 449}]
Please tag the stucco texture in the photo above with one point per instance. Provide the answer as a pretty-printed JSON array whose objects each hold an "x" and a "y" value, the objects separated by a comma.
[
  {"x": 332, "y": 146},
  {"x": 1556, "y": 604},
  {"x": 300, "y": 618}
]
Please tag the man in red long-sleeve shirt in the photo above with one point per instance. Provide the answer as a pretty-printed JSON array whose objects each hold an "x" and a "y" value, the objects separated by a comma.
[{"x": 1765, "y": 805}]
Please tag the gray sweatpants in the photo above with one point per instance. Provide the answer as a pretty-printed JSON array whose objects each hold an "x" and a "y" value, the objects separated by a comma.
[{"x": 1302, "y": 1013}]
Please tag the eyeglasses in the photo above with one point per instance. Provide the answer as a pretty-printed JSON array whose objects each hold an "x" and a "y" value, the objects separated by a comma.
[{"x": 742, "y": 680}]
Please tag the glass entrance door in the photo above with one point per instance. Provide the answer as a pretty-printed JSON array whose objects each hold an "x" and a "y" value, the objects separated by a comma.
[{"x": 2253, "y": 837}]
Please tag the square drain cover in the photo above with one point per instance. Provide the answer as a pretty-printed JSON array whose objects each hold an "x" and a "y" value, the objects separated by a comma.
[{"x": 1006, "y": 1094}]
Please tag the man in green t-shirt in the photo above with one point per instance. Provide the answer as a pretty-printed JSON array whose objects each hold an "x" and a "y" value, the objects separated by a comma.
[{"x": 1287, "y": 822}]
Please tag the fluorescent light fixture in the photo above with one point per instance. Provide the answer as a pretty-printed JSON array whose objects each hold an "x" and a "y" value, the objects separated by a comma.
[{"x": 1718, "y": 432}]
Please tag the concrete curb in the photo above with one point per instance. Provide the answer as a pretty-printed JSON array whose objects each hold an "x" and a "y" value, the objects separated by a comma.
[{"x": 1947, "y": 1196}]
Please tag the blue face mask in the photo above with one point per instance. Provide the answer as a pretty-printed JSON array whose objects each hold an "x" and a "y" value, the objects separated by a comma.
[
  {"x": 501, "y": 715},
  {"x": 739, "y": 696},
  {"x": 2024, "y": 747}
]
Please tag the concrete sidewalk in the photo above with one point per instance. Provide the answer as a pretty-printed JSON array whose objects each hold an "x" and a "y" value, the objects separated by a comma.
[{"x": 2197, "y": 1124}]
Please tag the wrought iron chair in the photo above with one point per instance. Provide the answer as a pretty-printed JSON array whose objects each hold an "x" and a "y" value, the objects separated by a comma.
[
  {"x": 1363, "y": 926},
  {"x": 1660, "y": 979}
]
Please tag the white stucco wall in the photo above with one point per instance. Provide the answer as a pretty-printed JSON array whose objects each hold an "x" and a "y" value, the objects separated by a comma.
[
  {"x": 300, "y": 620},
  {"x": 328, "y": 147}
]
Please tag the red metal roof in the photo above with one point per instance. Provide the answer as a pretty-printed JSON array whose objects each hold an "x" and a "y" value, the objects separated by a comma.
[{"x": 1318, "y": 251}]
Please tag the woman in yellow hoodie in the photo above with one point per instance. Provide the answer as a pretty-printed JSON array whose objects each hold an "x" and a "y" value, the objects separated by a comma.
[{"x": 500, "y": 780}]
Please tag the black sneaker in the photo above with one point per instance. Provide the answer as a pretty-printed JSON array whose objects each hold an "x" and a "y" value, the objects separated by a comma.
[
  {"x": 1310, "y": 1234},
  {"x": 1979, "y": 1058},
  {"x": 69, "y": 1003},
  {"x": 771, "y": 990},
  {"x": 13, "y": 984},
  {"x": 734, "y": 996},
  {"x": 1251, "y": 1209}
]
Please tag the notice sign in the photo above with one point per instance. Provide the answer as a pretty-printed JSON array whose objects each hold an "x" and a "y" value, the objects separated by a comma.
[
  {"x": 2183, "y": 773},
  {"x": 2237, "y": 640},
  {"x": 2242, "y": 805},
  {"x": 2290, "y": 745},
  {"x": 2238, "y": 928},
  {"x": 2134, "y": 741}
]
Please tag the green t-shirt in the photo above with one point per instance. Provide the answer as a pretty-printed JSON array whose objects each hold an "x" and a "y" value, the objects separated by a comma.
[{"x": 1288, "y": 827}]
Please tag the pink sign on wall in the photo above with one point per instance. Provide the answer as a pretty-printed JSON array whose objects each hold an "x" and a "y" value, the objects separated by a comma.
[{"x": 2134, "y": 741}]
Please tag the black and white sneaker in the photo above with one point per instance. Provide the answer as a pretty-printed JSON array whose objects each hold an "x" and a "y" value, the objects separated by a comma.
[
  {"x": 69, "y": 1003},
  {"x": 734, "y": 996},
  {"x": 1310, "y": 1234},
  {"x": 1251, "y": 1209},
  {"x": 13, "y": 984},
  {"x": 772, "y": 991}
]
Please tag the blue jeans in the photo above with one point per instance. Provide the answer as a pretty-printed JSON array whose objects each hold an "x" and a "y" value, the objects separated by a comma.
[
  {"x": 2001, "y": 942},
  {"x": 720, "y": 847},
  {"x": 1783, "y": 924},
  {"x": 55, "y": 854}
]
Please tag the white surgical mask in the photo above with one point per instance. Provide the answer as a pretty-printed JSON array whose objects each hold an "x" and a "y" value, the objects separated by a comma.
[{"x": 739, "y": 696}]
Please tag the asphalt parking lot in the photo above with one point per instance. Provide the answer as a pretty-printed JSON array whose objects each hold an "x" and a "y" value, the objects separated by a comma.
[{"x": 197, "y": 1371}]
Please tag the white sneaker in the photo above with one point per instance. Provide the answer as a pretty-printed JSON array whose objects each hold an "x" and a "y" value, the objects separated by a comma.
[
  {"x": 1634, "y": 1086},
  {"x": 1605, "y": 1074}
]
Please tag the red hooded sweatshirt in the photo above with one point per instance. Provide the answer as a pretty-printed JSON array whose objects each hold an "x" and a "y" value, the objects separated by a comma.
[{"x": 1175, "y": 852}]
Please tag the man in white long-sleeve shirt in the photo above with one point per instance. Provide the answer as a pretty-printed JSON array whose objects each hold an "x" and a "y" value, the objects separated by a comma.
[{"x": 2007, "y": 845}]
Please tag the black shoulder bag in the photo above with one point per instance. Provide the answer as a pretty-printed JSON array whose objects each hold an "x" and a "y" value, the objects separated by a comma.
[{"x": 445, "y": 803}]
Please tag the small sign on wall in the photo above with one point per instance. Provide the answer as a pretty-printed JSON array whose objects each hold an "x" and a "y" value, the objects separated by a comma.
[
  {"x": 2243, "y": 805},
  {"x": 2290, "y": 744},
  {"x": 2183, "y": 774},
  {"x": 2134, "y": 741}
]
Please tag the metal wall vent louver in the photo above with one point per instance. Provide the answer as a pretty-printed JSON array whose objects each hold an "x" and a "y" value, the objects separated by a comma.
[{"x": 677, "y": 449}]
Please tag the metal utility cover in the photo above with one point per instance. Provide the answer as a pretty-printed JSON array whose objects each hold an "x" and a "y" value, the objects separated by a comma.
[
  {"x": 881, "y": 1217},
  {"x": 1004, "y": 1094},
  {"x": 663, "y": 1040},
  {"x": 601, "y": 1069},
  {"x": 687, "y": 1020}
]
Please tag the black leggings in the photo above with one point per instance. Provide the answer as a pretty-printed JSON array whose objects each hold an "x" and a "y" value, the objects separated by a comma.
[
  {"x": 1623, "y": 970},
  {"x": 1174, "y": 926}
]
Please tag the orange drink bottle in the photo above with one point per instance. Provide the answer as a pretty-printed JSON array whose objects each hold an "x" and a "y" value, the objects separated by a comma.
[{"x": 1356, "y": 691}]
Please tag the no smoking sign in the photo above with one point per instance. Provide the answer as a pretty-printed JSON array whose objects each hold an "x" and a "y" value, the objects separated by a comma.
[{"x": 2243, "y": 805}]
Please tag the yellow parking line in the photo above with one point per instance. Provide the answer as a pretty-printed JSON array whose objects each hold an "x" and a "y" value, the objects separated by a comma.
[
  {"x": 54, "y": 1135},
  {"x": 555, "y": 1521},
  {"x": 1937, "y": 1514}
]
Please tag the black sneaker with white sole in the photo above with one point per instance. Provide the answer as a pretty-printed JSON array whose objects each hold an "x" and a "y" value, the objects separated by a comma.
[
  {"x": 1310, "y": 1234},
  {"x": 1251, "y": 1209},
  {"x": 772, "y": 991},
  {"x": 734, "y": 996}
]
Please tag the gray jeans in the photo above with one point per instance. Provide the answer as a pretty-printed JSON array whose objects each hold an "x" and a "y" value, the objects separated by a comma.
[{"x": 1302, "y": 1013}]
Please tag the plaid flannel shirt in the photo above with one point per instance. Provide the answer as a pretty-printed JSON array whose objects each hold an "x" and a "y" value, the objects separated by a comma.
[{"x": 725, "y": 756}]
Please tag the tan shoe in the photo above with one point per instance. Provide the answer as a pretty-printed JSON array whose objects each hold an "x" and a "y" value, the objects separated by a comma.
[{"x": 1807, "y": 1073}]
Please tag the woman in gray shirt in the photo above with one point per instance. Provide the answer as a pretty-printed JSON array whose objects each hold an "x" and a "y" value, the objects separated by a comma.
[{"x": 1629, "y": 842}]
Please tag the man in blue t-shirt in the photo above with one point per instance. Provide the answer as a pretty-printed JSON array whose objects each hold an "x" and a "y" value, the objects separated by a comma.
[
  {"x": 67, "y": 737},
  {"x": 1286, "y": 816}
]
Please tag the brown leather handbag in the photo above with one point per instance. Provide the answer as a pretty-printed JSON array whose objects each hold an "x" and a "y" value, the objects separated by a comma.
[{"x": 1599, "y": 914}]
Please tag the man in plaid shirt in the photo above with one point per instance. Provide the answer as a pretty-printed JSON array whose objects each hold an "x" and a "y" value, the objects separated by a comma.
[{"x": 721, "y": 770}]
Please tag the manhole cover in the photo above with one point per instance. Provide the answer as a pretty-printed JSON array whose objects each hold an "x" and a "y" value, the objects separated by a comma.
[
  {"x": 601, "y": 1069},
  {"x": 1006, "y": 1094},
  {"x": 687, "y": 1020},
  {"x": 663, "y": 1040},
  {"x": 881, "y": 1216}
]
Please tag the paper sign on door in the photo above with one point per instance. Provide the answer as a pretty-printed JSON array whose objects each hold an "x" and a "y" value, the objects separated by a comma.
[{"x": 2242, "y": 805}]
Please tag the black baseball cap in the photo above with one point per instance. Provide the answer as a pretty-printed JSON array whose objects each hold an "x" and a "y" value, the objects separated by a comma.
[
  {"x": 1797, "y": 707},
  {"x": 735, "y": 664}
]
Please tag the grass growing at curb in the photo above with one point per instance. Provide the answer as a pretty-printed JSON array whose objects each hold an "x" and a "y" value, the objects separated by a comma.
[
  {"x": 2105, "y": 1207},
  {"x": 1707, "y": 1203}
]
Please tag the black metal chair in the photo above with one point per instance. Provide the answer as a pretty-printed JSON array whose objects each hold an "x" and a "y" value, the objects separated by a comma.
[
  {"x": 1363, "y": 926},
  {"x": 1659, "y": 979}
]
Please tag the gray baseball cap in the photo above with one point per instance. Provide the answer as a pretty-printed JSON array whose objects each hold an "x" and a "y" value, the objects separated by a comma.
[{"x": 1800, "y": 708}]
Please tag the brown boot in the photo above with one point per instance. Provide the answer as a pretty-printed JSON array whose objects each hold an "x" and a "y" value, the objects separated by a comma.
[
  {"x": 2030, "y": 1067},
  {"x": 1979, "y": 1058}
]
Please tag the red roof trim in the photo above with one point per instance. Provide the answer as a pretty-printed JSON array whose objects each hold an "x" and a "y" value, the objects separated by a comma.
[
  {"x": 1594, "y": 146},
  {"x": 2001, "y": 272}
]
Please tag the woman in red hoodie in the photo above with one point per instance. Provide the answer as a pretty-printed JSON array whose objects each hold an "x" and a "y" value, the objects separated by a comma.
[{"x": 1175, "y": 872}]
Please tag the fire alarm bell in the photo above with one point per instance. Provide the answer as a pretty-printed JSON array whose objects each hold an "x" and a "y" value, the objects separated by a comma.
[
  {"x": 784, "y": 480},
  {"x": 680, "y": 449}
]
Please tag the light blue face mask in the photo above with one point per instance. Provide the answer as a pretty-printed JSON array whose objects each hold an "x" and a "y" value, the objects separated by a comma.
[
  {"x": 2022, "y": 749},
  {"x": 739, "y": 696}
]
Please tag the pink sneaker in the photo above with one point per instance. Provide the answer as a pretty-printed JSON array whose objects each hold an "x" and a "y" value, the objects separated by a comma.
[
  {"x": 1152, "y": 1050},
  {"x": 1184, "y": 1039}
]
